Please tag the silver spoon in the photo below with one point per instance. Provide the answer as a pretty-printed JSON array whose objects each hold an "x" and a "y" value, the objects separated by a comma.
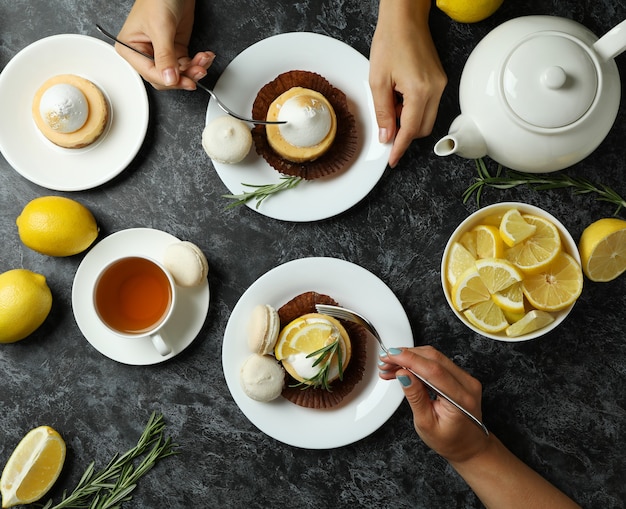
[
  {"x": 353, "y": 316},
  {"x": 225, "y": 108}
]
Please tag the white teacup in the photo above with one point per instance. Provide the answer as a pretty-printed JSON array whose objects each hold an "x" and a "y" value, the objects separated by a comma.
[{"x": 134, "y": 297}]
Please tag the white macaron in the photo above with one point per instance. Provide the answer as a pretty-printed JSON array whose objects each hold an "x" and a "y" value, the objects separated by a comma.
[
  {"x": 263, "y": 329},
  {"x": 187, "y": 263}
]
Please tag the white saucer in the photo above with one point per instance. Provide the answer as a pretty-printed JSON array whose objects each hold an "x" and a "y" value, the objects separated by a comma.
[
  {"x": 191, "y": 309},
  {"x": 373, "y": 400},
  {"x": 38, "y": 159},
  {"x": 346, "y": 69}
]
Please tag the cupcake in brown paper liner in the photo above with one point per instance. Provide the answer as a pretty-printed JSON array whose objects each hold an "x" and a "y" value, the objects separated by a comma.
[
  {"x": 342, "y": 149},
  {"x": 317, "y": 397}
]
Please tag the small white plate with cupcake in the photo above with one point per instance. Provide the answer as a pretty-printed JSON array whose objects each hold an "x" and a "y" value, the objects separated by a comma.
[
  {"x": 345, "y": 69},
  {"x": 59, "y": 157},
  {"x": 370, "y": 403}
]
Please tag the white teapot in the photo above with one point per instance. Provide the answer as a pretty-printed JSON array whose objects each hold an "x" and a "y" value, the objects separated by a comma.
[{"x": 537, "y": 94}]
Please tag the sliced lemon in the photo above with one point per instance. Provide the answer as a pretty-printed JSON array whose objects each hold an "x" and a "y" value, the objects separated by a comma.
[
  {"x": 513, "y": 317},
  {"x": 308, "y": 334},
  {"x": 538, "y": 250},
  {"x": 510, "y": 300},
  {"x": 459, "y": 260},
  {"x": 602, "y": 249},
  {"x": 33, "y": 467},
  {"x": 468, "y": 241},
  {"x": 514, "y": 228},
  {"x": 557, "y": 286},
  {"x": 488, "y": 241},
  {"x": 532, "y": 321},
  {"x": 468, "y": 290},
  {"x": 497, "y": 274},
  {"x": 487, "y": 316}
]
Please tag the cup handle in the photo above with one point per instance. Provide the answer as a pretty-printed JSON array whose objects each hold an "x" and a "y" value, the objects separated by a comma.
[{"x": 160, "y": 344}]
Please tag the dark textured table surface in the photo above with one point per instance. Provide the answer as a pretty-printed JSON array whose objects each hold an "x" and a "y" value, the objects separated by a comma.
[{"x": 558, "y": 402}]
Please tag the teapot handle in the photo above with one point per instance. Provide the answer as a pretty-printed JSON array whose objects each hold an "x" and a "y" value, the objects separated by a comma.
[{"x": 612, "y": 43}]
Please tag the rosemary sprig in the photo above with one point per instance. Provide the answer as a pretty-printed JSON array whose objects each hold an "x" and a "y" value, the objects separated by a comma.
[
  {"x": 324, "y": 357},
  {"x": 262, "y": 191},
  {"x": 110, "y": 487},
  {"x": 512, "y": 178}
]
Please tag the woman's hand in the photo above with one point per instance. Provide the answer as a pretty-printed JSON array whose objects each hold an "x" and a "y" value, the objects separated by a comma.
[
  {"x": 406, "y": 76},
  {"x": 440, "y": 424},
  {"x": 163, "y": 28}
]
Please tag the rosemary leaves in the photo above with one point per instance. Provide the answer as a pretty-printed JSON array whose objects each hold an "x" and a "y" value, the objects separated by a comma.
[
  {"x": 510, "y": 178},
  {"x": 260, "y": 192},
  {"x": 324, "y": 358},
  {"x": 114, "y": 484}
]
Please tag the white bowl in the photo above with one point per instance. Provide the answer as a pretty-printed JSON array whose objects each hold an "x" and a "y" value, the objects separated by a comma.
[{"x": 478, "y": 217}]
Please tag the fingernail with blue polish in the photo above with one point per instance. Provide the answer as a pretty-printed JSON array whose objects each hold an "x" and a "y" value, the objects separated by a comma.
[
  {"x": 404, "y": 380},
  {"x": 395, "y": 351},
  {"x": 381, "y": 362}
]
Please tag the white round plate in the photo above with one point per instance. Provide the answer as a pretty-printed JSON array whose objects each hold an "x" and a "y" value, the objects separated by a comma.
[
  {"x": 346, "y": 69},
  {"x": 44, "y": 163},
  {"x": 192, "y": 304},
  {"x": 372, "y": 401}
]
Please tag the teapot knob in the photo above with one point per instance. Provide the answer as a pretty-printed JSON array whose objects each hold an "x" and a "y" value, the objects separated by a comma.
[{"x": 554, "y": 77}]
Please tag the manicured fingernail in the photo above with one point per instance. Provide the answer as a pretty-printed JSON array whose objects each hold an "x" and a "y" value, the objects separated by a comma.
[
  {"x": 404, "y": 380},
  {"x": 383, "y": 135},
  {"x": 169, "y": 77},
  {"x": 395, "y": 351},
  {"x": 381, "y": 362},
  {"x": 199, "y": 75}
]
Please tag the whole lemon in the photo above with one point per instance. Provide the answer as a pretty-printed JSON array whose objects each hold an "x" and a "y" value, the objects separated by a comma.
[
  {"x": 469, "y": 11},
  {"x": 25, "y": 301},
  {"x": 56, "y": 226}
]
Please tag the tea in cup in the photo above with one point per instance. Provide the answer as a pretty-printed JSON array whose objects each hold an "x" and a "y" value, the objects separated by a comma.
[{"x": 134, "y": 297}]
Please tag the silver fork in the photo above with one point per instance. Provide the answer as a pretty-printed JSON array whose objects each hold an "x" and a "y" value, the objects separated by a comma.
[
  {"x": 224, "y": 108},
  {"x": 353, "y": 316}
]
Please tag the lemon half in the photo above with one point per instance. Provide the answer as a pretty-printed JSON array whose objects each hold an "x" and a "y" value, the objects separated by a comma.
[{"x": 602, "y": 249}]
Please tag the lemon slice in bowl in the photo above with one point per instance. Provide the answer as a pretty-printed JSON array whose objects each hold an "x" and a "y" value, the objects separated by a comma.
[
  {"x": 557, "y": 286},
  {"x": 497, "y": 274},
  {"x": 514, "y": 228},
  {"x": 487, "y": 316},
  {"x": 511, "y": 301},
  {"x": 539, "y": 250},
  {"x": 488, "y": 241},
  {"x": 602, "y": 249},
  {"x": 468, "y": 290},
  {"x": 459, "y": 260},
  {"x": 33, "y": 467},
  {"x": 530, "y": 322}
]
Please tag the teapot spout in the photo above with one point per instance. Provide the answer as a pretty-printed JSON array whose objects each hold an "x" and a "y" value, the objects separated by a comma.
[{"x": 463, "y": 139}]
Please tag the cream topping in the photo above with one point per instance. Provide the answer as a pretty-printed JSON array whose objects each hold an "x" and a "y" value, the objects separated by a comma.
[
  {"x": 308, "y": 121},
  {"x": 64, "y": 108}
]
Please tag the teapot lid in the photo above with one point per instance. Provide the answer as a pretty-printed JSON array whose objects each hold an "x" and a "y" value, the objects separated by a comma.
[{"x": 550, "y": 80}]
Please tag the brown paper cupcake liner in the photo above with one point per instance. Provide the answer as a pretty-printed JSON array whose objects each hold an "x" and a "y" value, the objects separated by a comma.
[
  {"x": 340, "y": 153},
  {"x": 321, "y": 398}
]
